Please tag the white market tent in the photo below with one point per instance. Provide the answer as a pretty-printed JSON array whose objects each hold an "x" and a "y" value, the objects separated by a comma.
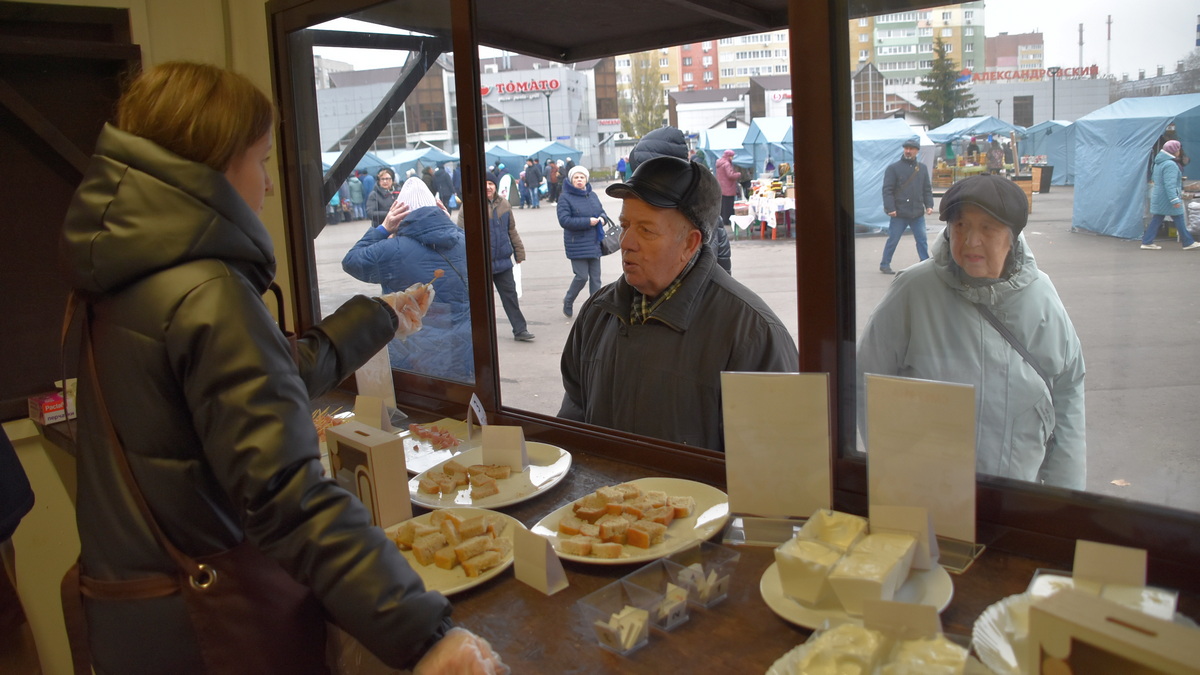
[
  {"x": 1055, "y": 140},
  {"x": 877, "y": 144},
  {"x": 1113, "y": 146},
  {"x": 714, "y": 142},
  {"x": 769, "y": 137},
  {"x": 972, "y": 126}
]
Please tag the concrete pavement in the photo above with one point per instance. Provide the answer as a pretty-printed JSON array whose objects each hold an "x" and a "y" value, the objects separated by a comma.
[{"x": 1134, "y": 310}]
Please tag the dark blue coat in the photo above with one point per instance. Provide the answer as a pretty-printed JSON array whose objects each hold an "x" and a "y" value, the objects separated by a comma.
[
  {"x": 576, "y": 208},
  {"x": 426, "y": 241}
]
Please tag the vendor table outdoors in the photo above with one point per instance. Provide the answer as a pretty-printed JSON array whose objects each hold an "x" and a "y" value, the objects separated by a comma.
[{"x": 766, "y": 212}]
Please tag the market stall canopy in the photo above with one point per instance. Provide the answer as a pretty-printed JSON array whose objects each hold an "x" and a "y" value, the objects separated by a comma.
[
  {"x": 769, "y": 137},
  {"x": 1054, "y": 140},
  {"x": 370, "y": 162},
  {"x": 404, "y": 160},
  {"x": 877, "y": 143},
  {"x": 1113, "y": 149},
  {"x": 556, "y": 151},
  {"x": 972, "y": 126},
  {"x": 498, "y": 155},
  {"x": 714, "y": 142}
]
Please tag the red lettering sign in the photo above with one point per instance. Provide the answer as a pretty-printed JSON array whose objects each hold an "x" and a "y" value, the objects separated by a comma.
[{"x": 523, "y": 87}]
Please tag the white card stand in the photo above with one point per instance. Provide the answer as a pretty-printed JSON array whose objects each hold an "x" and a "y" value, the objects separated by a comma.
[
  {"x": 505, "y": 446},
  {"x": 374, "y": 378},
  {"x": 912, "y": 520},
  {"x": 912, "y": 461},
  {"x": 475, "y": 409},
  {"x": 536, "y": 563},
  {"x": 372, "y": 411},
  {"x": 369, "y": 463}
]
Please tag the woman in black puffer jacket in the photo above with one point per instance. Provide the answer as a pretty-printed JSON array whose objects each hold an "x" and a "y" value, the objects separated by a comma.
[{"x": 582, "y": 219}]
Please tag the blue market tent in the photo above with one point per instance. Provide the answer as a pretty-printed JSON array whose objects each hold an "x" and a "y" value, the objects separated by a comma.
[
  {"x": 498, "y": 155},
  {"x": 1055, "y": 140},
  {"x": 370, "y": 162},
  {"x": 556, "y": 151},
  {"x": 1113, "y": 146},
  {"x": 972, "y": 126},
  {"x": 877, "y": 143},
  {"x": 403, "y": 160},
  {"x": 714, "y": 142},
  {"x": 769, "y": 137}
]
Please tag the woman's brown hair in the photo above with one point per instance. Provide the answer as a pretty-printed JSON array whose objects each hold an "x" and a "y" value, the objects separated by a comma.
[{"x": 198, "y": 111}]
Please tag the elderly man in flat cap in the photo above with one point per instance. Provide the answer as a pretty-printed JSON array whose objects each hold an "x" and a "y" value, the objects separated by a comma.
[
  {"x": 646, "y": 352},
  {"x": 907, "y": 199},
  {"x": 980, "y": 312}
]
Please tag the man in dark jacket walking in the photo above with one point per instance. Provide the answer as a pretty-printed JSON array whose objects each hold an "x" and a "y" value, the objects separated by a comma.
[
  {"x": 507, "y": 252},
  {"x": 907, "y": 199},
  {"x": 533, "y": 180}
]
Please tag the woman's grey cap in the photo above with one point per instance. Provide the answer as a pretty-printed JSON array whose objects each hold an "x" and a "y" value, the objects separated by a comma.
[{"x": 999, "y": 196}]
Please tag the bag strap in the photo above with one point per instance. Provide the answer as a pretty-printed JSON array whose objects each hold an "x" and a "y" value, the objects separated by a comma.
[
  {"x": 198, "y": 574},
  {"x": 916, "y": 170},
  {"x": 460, "y": 274},
  {"x": 1012, "y": 340}
]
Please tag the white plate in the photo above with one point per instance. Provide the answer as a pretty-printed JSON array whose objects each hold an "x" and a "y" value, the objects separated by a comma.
[
  {"x": 924, "y": 587},
  {"x": 712, "y": 510},
  {"x": 448, "y": 582},
  {"x": 547, "y": 466},
  {"x": 420, "y": 455}
]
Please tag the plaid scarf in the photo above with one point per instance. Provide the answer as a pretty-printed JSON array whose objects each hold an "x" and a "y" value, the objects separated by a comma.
[{"x": 643, "y": 309}]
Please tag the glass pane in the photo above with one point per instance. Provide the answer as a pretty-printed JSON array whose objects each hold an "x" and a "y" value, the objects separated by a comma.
[
  {"x": 1119, "y": 430},
  {"x": 588, "y": 111},
  {"x": 384, "y": 99}
]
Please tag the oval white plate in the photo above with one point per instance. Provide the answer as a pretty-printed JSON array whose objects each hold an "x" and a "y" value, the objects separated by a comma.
[
  {"x": 420, "y": 455},
  {"x": 924, "y": 587},
  {"x": 712, "y": 510},
  {"x": 548, "y": 465},
  {"x": 448, "y": 582}
]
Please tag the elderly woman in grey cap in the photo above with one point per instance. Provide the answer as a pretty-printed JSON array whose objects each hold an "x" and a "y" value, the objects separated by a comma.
[{"x": 979, "y": 312}]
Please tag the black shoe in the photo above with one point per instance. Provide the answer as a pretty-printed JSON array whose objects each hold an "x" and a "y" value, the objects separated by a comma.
[
  {"x": 886, "y": 269},
  {"x": 523, "y": 336}
]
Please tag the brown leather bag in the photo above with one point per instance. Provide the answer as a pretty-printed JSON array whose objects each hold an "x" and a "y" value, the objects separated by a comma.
[{"x": 247, "y": 613}]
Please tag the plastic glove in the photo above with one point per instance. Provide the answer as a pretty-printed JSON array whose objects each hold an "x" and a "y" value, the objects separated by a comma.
[
  {"x": 410, "y": 305},
  {"x": 461, "y": 652}
]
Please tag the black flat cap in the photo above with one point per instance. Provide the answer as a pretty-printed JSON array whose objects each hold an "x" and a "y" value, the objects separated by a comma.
[
  {"x": 665, "y": 182},
  {"x": 999, "y": 196}
]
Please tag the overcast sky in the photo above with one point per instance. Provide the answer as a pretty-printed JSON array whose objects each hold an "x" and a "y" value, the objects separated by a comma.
[{"x": 1145, "y": 34}]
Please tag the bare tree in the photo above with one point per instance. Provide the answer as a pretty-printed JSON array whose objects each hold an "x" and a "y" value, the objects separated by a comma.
[{"x": 646, "y": 103}]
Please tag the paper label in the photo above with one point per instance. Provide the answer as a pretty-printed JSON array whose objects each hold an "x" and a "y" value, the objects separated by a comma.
[
  {"x": 536, "y": 564},
  {"x": 505, "y": 446},
  {"x": 913, "y": 520},
  {"x": 475, "y": 409}
]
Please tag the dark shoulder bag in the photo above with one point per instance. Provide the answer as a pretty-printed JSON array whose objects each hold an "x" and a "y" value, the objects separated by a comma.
[
  {"x": 1020, "y": 347},
  {"x": 247, "y": 613}
]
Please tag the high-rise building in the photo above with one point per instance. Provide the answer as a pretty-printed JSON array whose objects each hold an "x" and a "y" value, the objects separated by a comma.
[
  {"x": 1020, "y": 52},
  {"x": 754, "y": 55}
]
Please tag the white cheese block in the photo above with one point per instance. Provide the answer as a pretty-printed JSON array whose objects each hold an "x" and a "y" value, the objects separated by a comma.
[
  {"x": 839, "y": 530},
  {"x": 859, "y": 577},
  {"x": 932, "y": 656},
  {"x": 902, "y": 546},
  {"x": 803, "y": 567},
  {"x": 847, "y": 649}
]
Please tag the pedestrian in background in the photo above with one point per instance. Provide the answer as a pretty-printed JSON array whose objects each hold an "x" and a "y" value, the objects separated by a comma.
[
  {"x": 995, "y": 158},
  {"x": 532, "y": 180},
  {"x": 907, "y": 199},
  {"x": 379, "y": 201},
  {"x": 355, "y": 187},
  {"x": 581, "y": 217},
  {"x": 1166, "y": 199},
  {"x": 728, "y": 178},
  {"x": 507, "y": 252}
]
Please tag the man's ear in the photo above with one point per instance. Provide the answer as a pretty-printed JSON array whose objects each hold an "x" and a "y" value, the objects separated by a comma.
[{"x": 694, "y": 239}]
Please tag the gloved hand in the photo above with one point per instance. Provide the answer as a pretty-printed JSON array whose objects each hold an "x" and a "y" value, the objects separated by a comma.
[{"x": 461, "y": 652}]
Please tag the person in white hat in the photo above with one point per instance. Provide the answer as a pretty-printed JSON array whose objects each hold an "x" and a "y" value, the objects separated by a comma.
[{"x": 581, "y": 217}]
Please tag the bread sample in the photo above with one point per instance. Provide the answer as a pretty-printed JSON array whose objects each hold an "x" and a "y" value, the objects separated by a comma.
[
  {"x": 577, "y": 545},
  {"x": 481, "y": 563},
  {"x": 425, "y": 548},
  {"x": 445, "y": 558},
  {"x": 485, "y": 489},
  {"x": 645, "y": 533},
  {"x": 804, "y": 566},
  {"x": 607, "y": 550},
  {"x": 683, "y": 505}
]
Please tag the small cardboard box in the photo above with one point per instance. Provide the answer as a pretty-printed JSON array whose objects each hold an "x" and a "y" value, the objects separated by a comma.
[
  {"x": 49, "y": 408},
  {"x": 369, "y": 462}
]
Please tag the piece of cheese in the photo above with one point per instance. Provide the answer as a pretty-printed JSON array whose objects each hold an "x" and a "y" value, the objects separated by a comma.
[
  {"x": 930, "y": 656},
  {"x": 847, "y": 649},
  {"x": 902, "y": 546},
  {"x": 859, "y": 577},
  {"x": 803, "y": 567},
  {"x": 840, "y": 531}
]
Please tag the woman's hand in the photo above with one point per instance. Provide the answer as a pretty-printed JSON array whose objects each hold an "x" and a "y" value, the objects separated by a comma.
[
  {"x": 461, "y": 652},
  {"x": 395, "y": 214},
  {"x": 596, "y": 221}
]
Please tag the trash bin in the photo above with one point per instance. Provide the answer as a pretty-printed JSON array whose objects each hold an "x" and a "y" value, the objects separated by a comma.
[{"x": 1042, "y": 173}]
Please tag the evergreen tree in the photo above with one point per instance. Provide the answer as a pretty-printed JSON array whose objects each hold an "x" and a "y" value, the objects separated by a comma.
[
  {"x": 944, "y": 97},
  {"x": 646, "y": 106}
]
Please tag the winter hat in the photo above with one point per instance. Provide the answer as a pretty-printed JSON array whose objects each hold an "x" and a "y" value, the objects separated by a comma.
[
  {"x": 1172, "y": 147},
  {"x": 913, "y": 142},
  {"x": 491, "y": 178},
  {"x": 999, "y": 197},
  {"x": 661, "y": 141},
  {"x": 416, "y": 194},
  {"x": 728, "y": 153},
  {"x": 578, "y": 169}
]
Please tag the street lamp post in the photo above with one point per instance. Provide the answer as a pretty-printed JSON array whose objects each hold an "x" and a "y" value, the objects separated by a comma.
[
  {"x": 1053, "y": 70},
  {"x": 549, "y": 126},
  {"x": 998, "y": 102}
]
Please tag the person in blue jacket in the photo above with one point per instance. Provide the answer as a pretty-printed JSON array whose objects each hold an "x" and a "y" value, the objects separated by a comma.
[
  {"x": 1166, "y": 199},
  {"x": 416, "y": 239},
  {"x": 581, "y": 217}
]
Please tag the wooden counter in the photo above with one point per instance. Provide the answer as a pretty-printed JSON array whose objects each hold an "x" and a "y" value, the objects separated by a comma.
[{"x": 535, "y": 633}]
